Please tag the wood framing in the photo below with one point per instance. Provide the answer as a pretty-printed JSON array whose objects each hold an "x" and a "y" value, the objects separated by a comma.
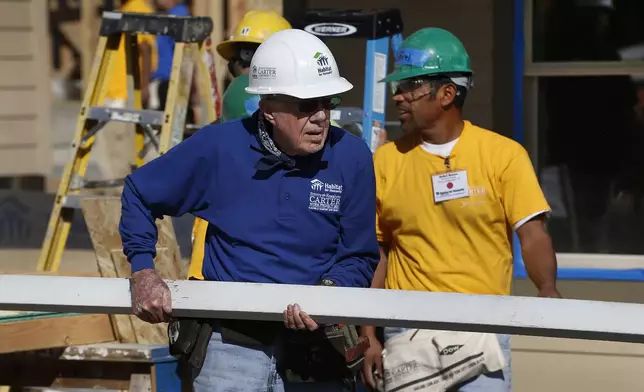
[
  {"x": 135, "y": 368},
  {"x": 215, "y": 10},
  {"x": 35, "y": 333}
]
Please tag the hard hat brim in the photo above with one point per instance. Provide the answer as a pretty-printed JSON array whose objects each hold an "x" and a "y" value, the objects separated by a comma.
[
  {"x": 327, "y": 89},
  {"x": 412, "y": 73},
  {"x": 226, "y": 49},
  {"x": 406, "y": 74}
]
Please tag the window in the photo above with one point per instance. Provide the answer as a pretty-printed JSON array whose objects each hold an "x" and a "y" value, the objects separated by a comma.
[
  {"x": 584, "y": 120},
  {"x": 586, "y": 30}
]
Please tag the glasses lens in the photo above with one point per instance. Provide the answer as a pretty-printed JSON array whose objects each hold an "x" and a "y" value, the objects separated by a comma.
[
  {"x": 406, "y": 85},
  {"x": 312, "y": 105}
]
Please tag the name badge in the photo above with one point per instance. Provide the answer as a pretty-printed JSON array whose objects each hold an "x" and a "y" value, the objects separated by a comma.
[{"x": 450, "y": 186}]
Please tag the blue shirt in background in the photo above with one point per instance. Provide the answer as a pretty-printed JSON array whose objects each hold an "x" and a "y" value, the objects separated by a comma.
[
  {"x": 291, "y": 226},
  {"x": 165, "y": 47}
]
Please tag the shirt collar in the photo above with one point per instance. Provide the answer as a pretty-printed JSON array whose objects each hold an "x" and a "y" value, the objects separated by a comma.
[{"x": 272, "y": 157}]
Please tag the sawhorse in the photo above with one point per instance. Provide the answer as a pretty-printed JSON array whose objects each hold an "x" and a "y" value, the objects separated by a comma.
[
  {"x": 131, "y": 367},
  {"x": 381, "y": 28}
]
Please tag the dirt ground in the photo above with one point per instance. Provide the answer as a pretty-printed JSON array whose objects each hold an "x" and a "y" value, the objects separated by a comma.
[{"x": 24, "y": 260}]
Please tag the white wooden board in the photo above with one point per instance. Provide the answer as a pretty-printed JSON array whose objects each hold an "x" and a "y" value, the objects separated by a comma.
[{"x": 592, "y": 320}]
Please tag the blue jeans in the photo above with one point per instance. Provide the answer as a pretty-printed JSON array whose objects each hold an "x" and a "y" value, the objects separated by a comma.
[
  {"x": 499, "y": 381},
  {"x": 230, "y": 367}
]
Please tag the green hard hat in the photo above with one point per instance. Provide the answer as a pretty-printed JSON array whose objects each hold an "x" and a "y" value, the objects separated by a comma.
[
  {"x": 237, "y": 103},
  {"x": 429, "y": 51}
]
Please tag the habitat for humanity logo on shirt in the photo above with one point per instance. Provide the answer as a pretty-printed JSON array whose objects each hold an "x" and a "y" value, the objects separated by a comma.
[{"x": 325, "y": 196}]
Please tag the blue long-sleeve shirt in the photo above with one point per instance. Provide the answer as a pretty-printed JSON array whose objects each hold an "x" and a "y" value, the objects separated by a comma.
[
  {"x": 165, "y": 47},
  {"x": 292, "y": 226}
]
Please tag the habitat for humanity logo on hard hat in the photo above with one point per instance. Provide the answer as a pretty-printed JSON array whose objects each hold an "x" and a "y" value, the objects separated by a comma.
[{"x": 323, "y": 64}]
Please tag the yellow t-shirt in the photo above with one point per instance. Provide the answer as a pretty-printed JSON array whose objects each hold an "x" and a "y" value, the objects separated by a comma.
[
  {"x": 462, "y": 245},
  {"x": 117, "y": 80}
]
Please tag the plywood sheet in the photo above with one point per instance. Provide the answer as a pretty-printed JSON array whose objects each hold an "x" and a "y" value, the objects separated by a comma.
[{"x": 102, "y": 215}]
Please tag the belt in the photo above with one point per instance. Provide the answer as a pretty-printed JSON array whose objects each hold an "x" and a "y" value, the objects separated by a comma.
[{"x": 248, "y": 332}]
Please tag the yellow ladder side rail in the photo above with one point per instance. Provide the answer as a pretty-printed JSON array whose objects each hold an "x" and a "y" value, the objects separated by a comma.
[{"x": 59, "y": 222}]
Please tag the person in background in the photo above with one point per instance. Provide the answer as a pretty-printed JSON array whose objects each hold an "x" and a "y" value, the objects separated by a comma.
[
  {"x": 165, "y": 47},
  {"x": 253, "y": 29},
  {"x": 115, "y": 141},
  {"x": 450, "y": 195}
]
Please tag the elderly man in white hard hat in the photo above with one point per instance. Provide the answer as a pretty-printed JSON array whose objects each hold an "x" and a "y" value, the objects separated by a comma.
[{"x": 288, "y": 199}]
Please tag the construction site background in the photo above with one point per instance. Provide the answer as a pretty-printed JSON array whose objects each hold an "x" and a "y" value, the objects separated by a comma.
[{"x": 570, "y": 91}]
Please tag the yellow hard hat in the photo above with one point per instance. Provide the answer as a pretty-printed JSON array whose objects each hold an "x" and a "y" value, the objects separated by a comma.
[{"x": 255, "y": 27}]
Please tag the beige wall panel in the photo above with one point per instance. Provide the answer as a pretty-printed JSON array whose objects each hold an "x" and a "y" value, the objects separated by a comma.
[
  {"x": 17, "y": 103},
  {"x": 562, "y": 365},
  {"x": 16, "y": 43},
  {"x": 18, "y": 160},
  {"x": 15, "y": 14},
  {"x": 17, "y": 73},
  {"x": 13, "y": 132}
]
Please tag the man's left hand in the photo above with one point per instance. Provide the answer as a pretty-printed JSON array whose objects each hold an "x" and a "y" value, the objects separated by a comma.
[
  {"x": 295, "y": 318},
  {"x": 549, "y": 292}
]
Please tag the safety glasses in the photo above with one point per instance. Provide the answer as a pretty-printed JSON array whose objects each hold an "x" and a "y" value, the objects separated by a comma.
[{"x": 407, "y": 85}]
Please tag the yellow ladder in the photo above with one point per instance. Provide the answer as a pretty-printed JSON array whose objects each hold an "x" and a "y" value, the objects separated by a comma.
[{"x": 164, "y": 129}]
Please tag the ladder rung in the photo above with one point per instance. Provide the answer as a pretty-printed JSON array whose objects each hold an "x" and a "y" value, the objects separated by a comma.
[
  {"x": 72, "y": 201},
  {"x": 104, "y": 113},
  {"x": 180, "y": 28}
]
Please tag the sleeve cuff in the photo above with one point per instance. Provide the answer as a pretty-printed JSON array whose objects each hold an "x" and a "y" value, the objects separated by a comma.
[
  {"x": 527, "y": 218},
  {"x": 141, "y": 261}
]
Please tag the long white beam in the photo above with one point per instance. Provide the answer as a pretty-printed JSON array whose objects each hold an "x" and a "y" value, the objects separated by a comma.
[{"x": 567, "y": 318}]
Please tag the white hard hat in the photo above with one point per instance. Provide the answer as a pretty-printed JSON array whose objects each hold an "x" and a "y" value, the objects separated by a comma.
[{"x": 296, "y": 63}]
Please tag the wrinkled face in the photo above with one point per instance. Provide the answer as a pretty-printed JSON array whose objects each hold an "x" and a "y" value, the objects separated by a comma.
[
  {"x": 421, "y": 101},
  {"x": 300, "y": 127}
]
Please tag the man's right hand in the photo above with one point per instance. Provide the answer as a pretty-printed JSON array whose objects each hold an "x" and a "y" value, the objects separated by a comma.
[
  {"x": 151, "y": 299},
  {"x": 372, "y": 362}
]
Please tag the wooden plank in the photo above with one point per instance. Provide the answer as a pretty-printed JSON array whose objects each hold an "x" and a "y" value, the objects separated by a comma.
[
  {"x": 215, "y": 9},
  {"x": 91, "y": 383},
  {"x": 130, "y": 352},
  {"x": 563, "y": 318},
  {"x": 55, "y": 332},
  {"x": 140, "y": 383},
  {"x": 18, "y": 369},
  {"x": 102, "y": 215}
]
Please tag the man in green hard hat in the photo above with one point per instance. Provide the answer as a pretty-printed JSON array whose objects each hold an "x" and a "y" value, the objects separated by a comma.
[{"x": 450, "y": 195}]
